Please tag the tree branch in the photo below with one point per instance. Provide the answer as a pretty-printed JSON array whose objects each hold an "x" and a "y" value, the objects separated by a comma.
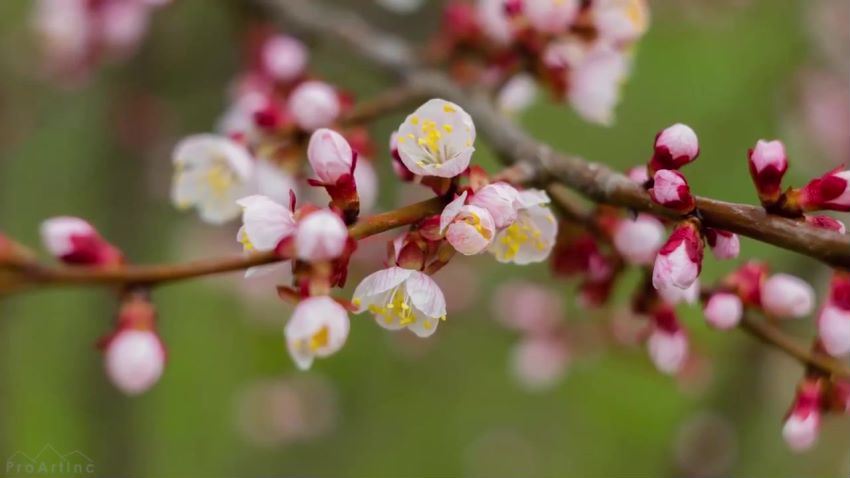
[{"x": 515, "y": 146}]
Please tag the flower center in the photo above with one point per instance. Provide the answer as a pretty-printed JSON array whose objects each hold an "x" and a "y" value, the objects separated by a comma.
[
  {"x": 219, "y": 178},
  {"x": 518, "y": 234},
  {"x": 397, "y": 308},
  {"x": 319, "y": 339}
]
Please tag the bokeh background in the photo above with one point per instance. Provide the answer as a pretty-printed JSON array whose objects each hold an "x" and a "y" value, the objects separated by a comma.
[{"x": 231, "y": 402}]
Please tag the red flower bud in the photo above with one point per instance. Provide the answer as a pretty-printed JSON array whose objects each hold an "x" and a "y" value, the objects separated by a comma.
[{"x": 670, "y": 189}]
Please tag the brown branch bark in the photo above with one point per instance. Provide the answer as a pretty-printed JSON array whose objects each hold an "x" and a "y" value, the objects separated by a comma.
[
  {"x": 544, "y": 165},
  {"x": 41, "y": 275}
]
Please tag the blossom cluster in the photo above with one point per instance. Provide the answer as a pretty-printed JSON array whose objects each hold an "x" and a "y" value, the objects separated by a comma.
[
  {"x": 77, "y": 35},
  {"x": 277, "y": 114},
  {"x": 580, "y": 51}
]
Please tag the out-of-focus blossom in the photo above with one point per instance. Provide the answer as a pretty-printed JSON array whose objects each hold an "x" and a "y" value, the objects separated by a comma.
[
  {"x": 500, "y": 200},
  {"x": 620, "y": 21},
  {"x": 398, "y": 165},
  {"x": 824, "y": 99},
  {"x": 638, "y": 240},
  {"x": 134, "y": 360},
  {"x": 366, "y": 180},
  {"x": 527, "y": 307},
  {"x": 264, "y": 223},
  {"x": 638, "y": 174},
  {"x": 314, "y": 105},
  {"x": 284, "y": 57},
  {"x": 320, "y": 236},
  {"x": 786, "y": 296},
  {"x": 679, "y": 261},
  {"x": 211, "y": 173},
  {"x": 830, "y": 191},
  {"x": 540, "y": 361},
  {"x": 469, "y": 229},
  {"x": 724, "y": 244},
  {"x": 668, "y": 343},
  {"x": 723, "y": 310},
  {"x": 517, "y": 95},
  {"x": 550, "y": 16},
  {"x": 75, "y": 241},
  {"x": 437, "y": 139},
  {"x": 675, "y": 146},
  {"x": 494, "y": 20},
  {"x": 802, "y": 425},
  {"x": 318, "y": 328},
  {"x": 531, "y": 237},
  {"x": 595, "y": 82},
  {"x": 834, "y": 319},
  {"x": 402, "y": 298},
  {"x": 768, "y": 163},
  {"x": 670, "y": 189}
]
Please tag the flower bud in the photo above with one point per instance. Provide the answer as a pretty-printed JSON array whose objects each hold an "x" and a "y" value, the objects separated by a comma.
[
  {"x": 675, "y": 295},
  {"x": 318, "y": 328},
  {"x": 803, "y": 422},
  {"x": 768, "y": 163},
  {"x": 668, "y": 343},
  {"x": 785, "y": 296},
  {"x": 826, "y": 222},
  {"x": 675, "y": 147},
  {"x": 471, "y": 230},
  {"x": 747, "y": 282},
  {"x": 500, "y": 200},
  {"x": 74, "y": 241},
  {"x": 284, "y": 58},
  {"x": 723, "y": 310},
  {"x": 724, "y": 244},
  {"x": 134, "y": 355},
  {"x": 830, "y": 191},
  {"x": 314, "y": 105},
  {"x": 679, "y": 261},
  {"x": 638, "y": 174},
  {"x": 638, "y": 240},
  {"x": 670, "y": 189},
  {"x": 320, "y": 236},
  {"x": 330, "y": 155},
  {"x": 834, "y": 319}
]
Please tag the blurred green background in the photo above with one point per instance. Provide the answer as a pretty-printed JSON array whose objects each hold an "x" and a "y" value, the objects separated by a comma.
[{"x": 385, "y": 406}]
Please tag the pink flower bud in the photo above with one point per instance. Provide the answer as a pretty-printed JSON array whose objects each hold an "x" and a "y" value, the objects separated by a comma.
[
  {"x": 834, "y": 319},
  {"x": 538, "y": 362},
  {"x": 675, "y": 147},
  {"x": 330, "y": 155},
  {"x": 134, "y": 360},
  {"x": 284, "y": 57},
  {"x": 469, "y": 229},
  {"x": 75, "y": 241},
  {"x": 723, "y": 310},
  {"x": 675, "y": 295},
  {"x": 724, "y": 244},
  {"x": 830, "y": 191},
  {"x": 803, "y": 422},
  {"x": 314, "y": 105},
  {"x": 321, "y": 236},
  {"x": 668, "y": 343},
  {"x": 638, "y": 240},
  {"x": 670, "y": 189},
  {"x": 318, "y": 328},
  {"x": 768, "y": 164},
  {"x": 679, "y": 261},
  {"x": 826, "y": 222},
  {"x": 785, "y": 296},
  {"x": 500, "y": 200}
]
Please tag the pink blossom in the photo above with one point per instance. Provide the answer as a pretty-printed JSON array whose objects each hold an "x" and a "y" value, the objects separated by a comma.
[
  {"x": 517, "y": 95},
  {"x": 539, "y": 362},
  {"x": 75, "y": 241},
  {"x": 330, "y": 155},
  {"x": 674, "y": 295},
  {"x": 550, "y": 16},
  {"x": 723, "y": 310},
  {"x": 500, "y": 200},
  {"x": 679, "y": 261},
  {"x": 768, "y": 163},
  {"x": 834, "y": 319},
  {"x": 675, "y": 146},
  {"x": 638, "y": 174},
  {"x": 638, "y": 240},
  {"x": 134, "y": 360},
  {"x": 314, "y": 105},
  {"x": 802, "y": 425},
  {"x": 668, "y": 343},
  {"x": 469, "y": 229},
  {"x": 284, "y": 57},
  {"x": 724, "y": 245},
  {"x": 528, "y": 307},
  {"x": 786, "y": 296},
  {"x": 670, "y": 189},
  {"x": 320, "y": 236}
]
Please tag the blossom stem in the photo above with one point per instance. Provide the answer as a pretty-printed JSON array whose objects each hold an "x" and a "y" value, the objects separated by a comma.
[{"x": 38, "y": 275}]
